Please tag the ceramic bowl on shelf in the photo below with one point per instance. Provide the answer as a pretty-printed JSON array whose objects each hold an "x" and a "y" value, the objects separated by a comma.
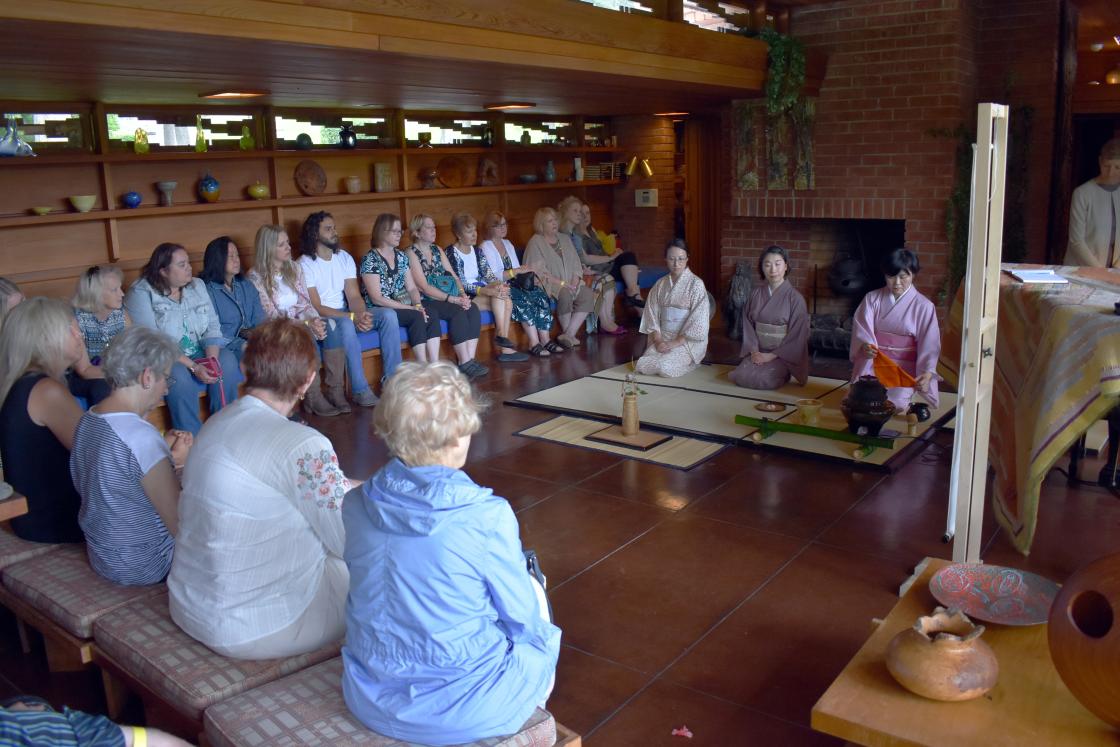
[
  {"x": 527, "y": 178},
  {"x": 42, "y": 210},
  {"x": 83, "y": 203}
]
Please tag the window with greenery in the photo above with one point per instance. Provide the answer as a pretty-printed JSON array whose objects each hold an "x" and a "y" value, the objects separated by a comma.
[
  {"x": 623, "y": 6},
  {"x": 52, "y": 131},
  {"x": 437, "y": 130},
  {"x": 523, "y": 131},
  {"x": 177, "y": 130},
  {"x": 372, "y": 130}
]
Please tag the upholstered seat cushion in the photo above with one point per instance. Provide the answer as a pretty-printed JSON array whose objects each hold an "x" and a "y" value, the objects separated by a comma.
[
  {"x": 14, "y": 550},
  {"x": 61, "y": 585},
  {"x": 144, "y": 642},
  {"x": 307, "y": 708}
]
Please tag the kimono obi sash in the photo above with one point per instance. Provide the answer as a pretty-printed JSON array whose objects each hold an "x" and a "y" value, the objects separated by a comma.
[
  {"x": 770, "y": 336},
  {"x": 672, "y": 319},
  {"x": 899, "y": 348}
]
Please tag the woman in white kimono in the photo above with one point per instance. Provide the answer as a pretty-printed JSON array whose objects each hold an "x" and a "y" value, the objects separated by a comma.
[
  {"x": 902, "y": 323},
  {"x": 675, "y": 319},
  {"x": 775, "y": 329}
]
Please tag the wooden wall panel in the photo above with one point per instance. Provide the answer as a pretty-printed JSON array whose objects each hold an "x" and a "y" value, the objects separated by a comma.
[
  {"x": 46, "y": 185},
  {"x": 353, "y": 219},
  {"x": 442, "y": 208},
  {"x": 53, "y": 247},
  {"x": 140, "y": 236},
  {"x": 336, "y": 167}
]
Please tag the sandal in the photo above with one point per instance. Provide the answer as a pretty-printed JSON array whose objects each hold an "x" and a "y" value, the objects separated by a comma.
[
  {"x": 539, "y": 351},
  {"x": 619, "y": 331},
  {"x": 504, "y": 342},
  {"x": 636, "y": 301},
  {"x": 555, "y": 347}
]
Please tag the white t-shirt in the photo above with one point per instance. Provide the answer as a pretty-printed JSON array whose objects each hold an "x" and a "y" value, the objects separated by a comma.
[
  {"x": 494, "y": 259},
  {"x": 286, "y": 296},
  {"x": 328, "y": 277},
  {"x": 470, "y": 266}
]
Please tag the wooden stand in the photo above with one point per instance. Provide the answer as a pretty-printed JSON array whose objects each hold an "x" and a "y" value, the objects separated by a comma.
[{"x": 640, "y": 441}]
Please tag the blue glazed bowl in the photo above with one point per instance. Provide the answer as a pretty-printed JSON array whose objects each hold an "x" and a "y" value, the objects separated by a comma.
[{"x": 131, "y": 199}]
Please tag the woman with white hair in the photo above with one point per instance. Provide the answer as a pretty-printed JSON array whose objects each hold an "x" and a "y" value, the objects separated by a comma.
[
  {"x": 124, "y": 470},
  {"x": 560, "y": 269},
  {"x": 10, "y": 297},
  {"x": 447, "y": 634},
  {"x": 39, "y": 341}
]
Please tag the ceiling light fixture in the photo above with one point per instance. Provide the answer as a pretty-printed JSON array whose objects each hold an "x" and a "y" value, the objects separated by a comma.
[
  {"x": 233, "y": 94},
  {"x": 1094, "y": 82},
  {"x": 1116, "y": 39},
  {"x": 1112, "y": 77},
  {"x": 510, "y": 106},
  {"x": 1096, "y": 46},
  {"x": 670, "y": 114}
]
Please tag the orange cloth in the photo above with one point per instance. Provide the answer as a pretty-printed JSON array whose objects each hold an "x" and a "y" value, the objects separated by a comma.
[{"x": 890, "y": 374}]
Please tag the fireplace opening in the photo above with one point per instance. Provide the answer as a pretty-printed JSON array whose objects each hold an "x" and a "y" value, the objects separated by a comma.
[{"x": 845, "y": 256}]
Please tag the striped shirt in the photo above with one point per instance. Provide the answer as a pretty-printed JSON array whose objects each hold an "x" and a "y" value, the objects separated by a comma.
[{"x": 126, "y": 540}]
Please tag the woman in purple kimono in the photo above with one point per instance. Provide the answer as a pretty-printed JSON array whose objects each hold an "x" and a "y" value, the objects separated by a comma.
[
  {"x": 902, "y": 323},
  {"x": 775, "y": 329}
]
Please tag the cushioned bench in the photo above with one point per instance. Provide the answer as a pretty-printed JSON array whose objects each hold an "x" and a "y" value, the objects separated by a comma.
[
  {"x": 307, "y": 708},
  {"x": 14, "y": 550},
  {"x": 58, "y": 594},
  {"x": 175, "y": 676}
]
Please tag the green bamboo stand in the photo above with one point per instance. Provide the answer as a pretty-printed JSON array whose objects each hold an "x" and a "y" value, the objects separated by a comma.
[{"x": 767, "y": 427}]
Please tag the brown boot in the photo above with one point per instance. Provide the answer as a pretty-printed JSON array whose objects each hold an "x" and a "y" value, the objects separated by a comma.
[
  {"x": 334, "y": 373},
  {"x": 314, "y": 403}
]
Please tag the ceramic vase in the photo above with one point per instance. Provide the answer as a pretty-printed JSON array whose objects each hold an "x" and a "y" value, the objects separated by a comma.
[
  {"x": 11, "y": 144},
  {"x": 353, "y": 184},
  {"x": 1084, "y": 637},
  {"x": 347, "y": 138},
  {"x": 167, "y": 192},
  {"x": 131, "y": 199},
  {"x": 550, "y": 172},
  {"x": 209, "y": 190},
  {"x": 942, "y": 657},
  {"x": 630, "y": 423}
]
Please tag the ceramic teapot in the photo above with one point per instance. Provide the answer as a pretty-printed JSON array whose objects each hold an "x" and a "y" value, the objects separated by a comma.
[{"x": 866, "y": 408}]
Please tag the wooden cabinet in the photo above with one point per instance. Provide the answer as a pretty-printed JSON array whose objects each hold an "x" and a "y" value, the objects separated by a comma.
[{"x": 45, "y": 254}]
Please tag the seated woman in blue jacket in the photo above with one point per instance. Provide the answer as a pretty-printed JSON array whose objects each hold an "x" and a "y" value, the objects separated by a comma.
[
  {"x": 235, "y": 299},
  {"x": 447, "y": 634}
]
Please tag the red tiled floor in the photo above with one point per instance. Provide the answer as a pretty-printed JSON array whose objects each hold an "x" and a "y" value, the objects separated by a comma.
[
  {"x": 646, "y": 603},
  {"x": 651, "y": 717},
  {"x": 781, "y": 493},
  {"x": 590, "y": 688},
  {"x": 551, "y": 461},
  {"x": 664, "y": 486},
  {"x": 575, "y": 528},
  {"x": 520, "y": 490},
  {"x": 780, "y": 651}
]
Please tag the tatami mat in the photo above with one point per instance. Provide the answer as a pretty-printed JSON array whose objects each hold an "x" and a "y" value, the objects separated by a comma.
[
  {"x": 704, "y": 404},
  {"x": 679, "y": 451}
]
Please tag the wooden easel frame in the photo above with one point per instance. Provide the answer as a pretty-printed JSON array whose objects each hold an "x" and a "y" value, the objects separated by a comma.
[{"x": 978, "y": 339}]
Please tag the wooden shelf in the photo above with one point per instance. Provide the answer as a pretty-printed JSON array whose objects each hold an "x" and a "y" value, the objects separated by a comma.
[{"x": 248, "y": 204}]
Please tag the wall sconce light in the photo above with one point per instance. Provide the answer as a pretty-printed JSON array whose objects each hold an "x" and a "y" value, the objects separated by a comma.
[
  {"x": 634, "y": 163},
  {"x": 1112, "y": 77}
]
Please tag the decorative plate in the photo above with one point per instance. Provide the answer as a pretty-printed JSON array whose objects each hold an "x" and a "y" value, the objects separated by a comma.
[
  {"x": 994, "y": 593},
  {"x": 453, "y": 172},
  {"x": 770, "y": 407},
  {"x": 310, "y": 178}
]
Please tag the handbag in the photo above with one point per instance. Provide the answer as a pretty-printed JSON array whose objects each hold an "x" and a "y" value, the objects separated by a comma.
[
  {"x": 525, "y": 281},
  {"x": 214, "y": 368},
  {"x": 445, "y": 284}
]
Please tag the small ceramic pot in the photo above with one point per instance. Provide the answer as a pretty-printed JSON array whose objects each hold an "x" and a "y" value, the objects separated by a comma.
[
  {"x": 209, "y": 190},
  {"x": 942, "y": 658},
  {"x": 353, "y": 184},
  {"x": 258, "y": 191},
  {"x": 131, "y": 199}
]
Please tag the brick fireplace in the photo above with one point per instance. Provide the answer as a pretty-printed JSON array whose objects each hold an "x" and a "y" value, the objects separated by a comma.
[{"x": 898, "y": 70}]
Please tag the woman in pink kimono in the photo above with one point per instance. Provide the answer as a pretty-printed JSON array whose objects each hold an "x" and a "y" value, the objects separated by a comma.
[
  {"x": 775, "y": 329},
  {"x": 902, "y": 323},
  {"x": 675, "y": 319}
]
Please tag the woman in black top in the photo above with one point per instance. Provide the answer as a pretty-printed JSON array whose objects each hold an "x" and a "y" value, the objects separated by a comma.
[{"x": 39, "y": 341}]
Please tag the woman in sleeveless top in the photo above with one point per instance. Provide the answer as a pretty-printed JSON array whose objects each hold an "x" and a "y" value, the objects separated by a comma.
[
  {"x": 531, "y": 306},
  {"x": 39, "y": 341}
]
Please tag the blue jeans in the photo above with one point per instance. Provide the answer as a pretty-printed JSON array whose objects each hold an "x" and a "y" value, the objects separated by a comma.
[
  {"x": 343, "y": 334},
  {"x": 182, "y": 396}
]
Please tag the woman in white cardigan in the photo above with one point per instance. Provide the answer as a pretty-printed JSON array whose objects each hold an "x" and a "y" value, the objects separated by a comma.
[
  {"x": 258, "y": 570},
  {"x": 1094, "y": 215}
]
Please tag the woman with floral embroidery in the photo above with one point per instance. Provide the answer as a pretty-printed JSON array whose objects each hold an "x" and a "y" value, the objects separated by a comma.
[{"x": 258, "y": 570}]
